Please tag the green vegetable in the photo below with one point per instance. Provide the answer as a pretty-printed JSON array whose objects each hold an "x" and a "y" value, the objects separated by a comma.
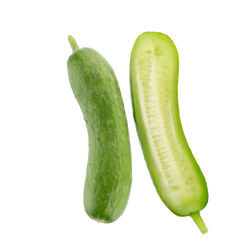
[
  {"x": 108, "y": 177},
  {"x": 173, "y": 168}
]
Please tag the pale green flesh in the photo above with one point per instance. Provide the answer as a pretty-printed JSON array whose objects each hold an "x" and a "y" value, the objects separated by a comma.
[{"x": 174, "y": 170}]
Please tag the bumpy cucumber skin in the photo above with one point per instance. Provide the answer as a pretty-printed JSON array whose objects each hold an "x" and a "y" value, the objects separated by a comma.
[
  {"x": 189, "y": 200},
  {"x": 108, "y": 176}
]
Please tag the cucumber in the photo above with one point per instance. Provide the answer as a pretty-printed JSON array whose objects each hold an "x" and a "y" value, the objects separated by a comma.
[
  {"x": 108, "y": 176},
  {"x": 175, "y": 173}
]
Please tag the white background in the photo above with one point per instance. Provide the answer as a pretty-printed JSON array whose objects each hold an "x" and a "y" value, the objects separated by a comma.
[{"x": 43, "y": 139}]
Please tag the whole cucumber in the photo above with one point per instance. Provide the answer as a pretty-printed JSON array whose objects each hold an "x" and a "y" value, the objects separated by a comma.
[
  {"x": 108, "y": 177},
  {"x": 154, "y": 78}
]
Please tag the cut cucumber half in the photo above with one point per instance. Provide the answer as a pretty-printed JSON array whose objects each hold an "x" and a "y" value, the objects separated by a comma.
[{"x": 175, "y": 173}]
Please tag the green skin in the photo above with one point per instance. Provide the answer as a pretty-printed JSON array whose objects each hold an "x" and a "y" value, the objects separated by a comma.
[
  {"x": 108, "y": 177},
  {"x": 175, "y": 173}
]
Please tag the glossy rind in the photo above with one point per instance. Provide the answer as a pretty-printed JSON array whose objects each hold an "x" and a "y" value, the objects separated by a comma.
[
  {"x": 108, "y": 177},
  {"x": 175, "y": 173}
]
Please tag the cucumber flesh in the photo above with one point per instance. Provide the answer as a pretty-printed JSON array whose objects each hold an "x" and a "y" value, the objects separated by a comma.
[{"x": 173, "y": 168}]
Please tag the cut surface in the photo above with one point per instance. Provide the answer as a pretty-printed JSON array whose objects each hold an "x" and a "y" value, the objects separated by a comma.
[{"x": 154, "y": 78}]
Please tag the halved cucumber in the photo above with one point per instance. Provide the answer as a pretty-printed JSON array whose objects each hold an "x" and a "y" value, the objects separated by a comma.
[{"x": 154, "y": 78}]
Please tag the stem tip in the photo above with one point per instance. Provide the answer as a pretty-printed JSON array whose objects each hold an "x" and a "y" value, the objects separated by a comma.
[
  {"x": 73, "y": 43},
  {"x": 199, "y": 222}
]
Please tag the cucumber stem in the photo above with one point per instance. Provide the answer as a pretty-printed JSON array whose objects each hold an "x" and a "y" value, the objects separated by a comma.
[
  {"x": 199, "y": 222},
  {"x": 73, "y": 43}
]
